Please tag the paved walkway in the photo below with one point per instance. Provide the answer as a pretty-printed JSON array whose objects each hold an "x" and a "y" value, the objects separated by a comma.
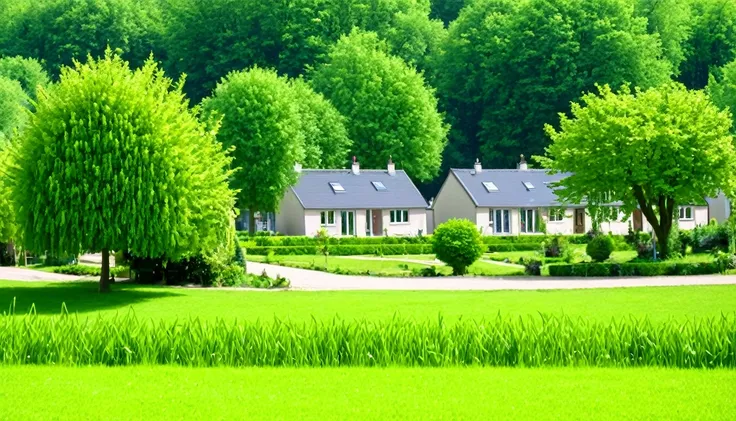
[
  {"x": 20, "y": 274},
  {"x": 303, "y": 279}
]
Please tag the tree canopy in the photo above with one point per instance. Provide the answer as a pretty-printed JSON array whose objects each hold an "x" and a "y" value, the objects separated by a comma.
[
  {"x": 509, "y": 67},
  {"x": 326, "y": 141},
  {"x": 653, "y": 149},
  {"x": 113, "y": 159},
  {"x": 26, "y": 71},
  {"x": 723, "y": 90},
  {"x": 389, "y": 107},
  {"x": 12, "y": 111},
  {"x": 260, "y": 120}
]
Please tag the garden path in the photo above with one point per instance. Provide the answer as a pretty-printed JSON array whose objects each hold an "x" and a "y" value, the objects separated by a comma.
[
  {"x": 303, "y": 279},
  {"x": 20, "y": 274}
]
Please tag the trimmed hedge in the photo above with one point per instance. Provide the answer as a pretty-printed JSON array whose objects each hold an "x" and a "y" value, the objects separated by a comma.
[
  {"x": 345, "y": 250},
  {"x": 633, "y": 269},
  {"x": 514, "y": 247}
]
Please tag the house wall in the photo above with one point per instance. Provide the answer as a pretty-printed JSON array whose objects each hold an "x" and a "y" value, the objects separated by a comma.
[
  {"x": 417, "y": 222},
  {"x": 700, "y": 217},
  {"x": 453, "y": 202},
  {"x": 564, "y": 227},
  {"x": 290, "y": 219},
  {"x": 719, "y": 207},
  {"x": 430, "y": 221}
]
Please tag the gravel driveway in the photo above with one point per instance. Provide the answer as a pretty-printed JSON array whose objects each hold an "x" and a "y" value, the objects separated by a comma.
[{"x": 302, "y": 279}]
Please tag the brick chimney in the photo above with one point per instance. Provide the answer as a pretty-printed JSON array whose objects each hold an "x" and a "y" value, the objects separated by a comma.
[
  {"x": 391, "y": 166},
  {"x": 356, "y": 166},
  {"x": 522, "y": 164}
]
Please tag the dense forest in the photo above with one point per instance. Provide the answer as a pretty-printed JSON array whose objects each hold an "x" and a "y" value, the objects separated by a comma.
[{"x": 480, "y": 78}]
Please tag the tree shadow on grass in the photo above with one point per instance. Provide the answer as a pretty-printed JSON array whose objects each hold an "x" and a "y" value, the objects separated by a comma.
[{"x": 79, "y": 297}]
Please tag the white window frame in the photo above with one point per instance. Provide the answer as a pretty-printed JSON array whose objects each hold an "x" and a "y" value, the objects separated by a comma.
[
  {"x": 684, "y": 211},
  {"x": 524, "y": 228},
  {"x": 505, "y": 217},
  {"x": 325, "y": 216},
  {"x": 556, "y": 215},
  {"x": 399, "y": 216}
]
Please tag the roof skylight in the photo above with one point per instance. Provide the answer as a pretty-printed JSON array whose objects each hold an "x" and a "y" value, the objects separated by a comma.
[
  {"x": 378, "y": 185},
  {"x": 528, "y": 185},
  {"x": 337, "y": 187},
  {"x": 490, "y": 186}
]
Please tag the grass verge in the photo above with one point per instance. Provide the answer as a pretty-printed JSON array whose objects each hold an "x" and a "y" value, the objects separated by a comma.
[
  {"x": 164, "y": 393},
  {"x": 168, "y": 303}
]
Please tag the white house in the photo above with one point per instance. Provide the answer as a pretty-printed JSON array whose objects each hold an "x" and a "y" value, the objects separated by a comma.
[
  {"x": 353, "y": 202},
  {"x": 522, "y": 201}
]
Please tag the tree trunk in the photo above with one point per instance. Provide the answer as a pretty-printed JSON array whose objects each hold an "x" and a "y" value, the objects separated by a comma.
[
  {"x": 105, "y": 275},
  {"x": 251, "y": 221}
]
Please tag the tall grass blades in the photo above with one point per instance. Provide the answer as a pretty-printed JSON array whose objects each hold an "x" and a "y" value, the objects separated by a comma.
[{"x": 501, "y": 341}]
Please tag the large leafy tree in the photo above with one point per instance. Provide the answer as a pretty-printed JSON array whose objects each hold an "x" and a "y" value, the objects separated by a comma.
[
  {"x": 113, "y": 159},
  {"x": 390, "y": 110},
  {"x": 26, "y": 71},
  {"x": 7, "y": 216},
  {"x": 13, "y": 114},
  {"x": 654, "y": 150},
  {"x": 508, "y": 67},
  {"x": 712, "y": 41},
  {"x": 207, "y": 40},
  {"x": 260, "y": 120},
  {"x": 326, "y": 141},
  {"x": 58, "y": 31},
  {"x": 723, "y": 90},
  {"x": 446, "y": 10},
  {"x": 671, "y": 21}
]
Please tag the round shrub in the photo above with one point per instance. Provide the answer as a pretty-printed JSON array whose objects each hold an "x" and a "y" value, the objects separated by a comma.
[
  {"x": 555, "y": 247},
  {"x": 458, "y": 244},
  {"x": 600, "y": 248}
]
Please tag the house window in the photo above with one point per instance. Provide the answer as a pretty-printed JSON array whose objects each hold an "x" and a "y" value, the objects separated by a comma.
[
  {"x": 378, "y": 186},
  {"x": 501, "y": 221},
  {"x": 686, "y": 213},
  {"x": 327, "y": 218},
  {"x": 528, "y": 220},
  {"x": 400, "y": 216},
  {"x": 490, "y": 186},
  {"x": 337, "y": 188},
  {"x": 556, "y": 215}
]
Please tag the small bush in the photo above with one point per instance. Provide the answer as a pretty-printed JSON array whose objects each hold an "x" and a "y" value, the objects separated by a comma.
[
  {"x": 725, "y": 261},
  {"x": 428, "y": 272},
  {"x": 533, "y": 268},
  {"x": 458, "y": 244},
  {"x": 555, "y": 247},
  {"x": 600, "y": 248}
]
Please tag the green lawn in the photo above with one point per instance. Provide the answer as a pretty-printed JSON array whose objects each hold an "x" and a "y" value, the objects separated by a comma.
[
  {"x": 165, "y": 393},
  {"x": 170, "y": 303},
  {"x": 383, "y": 266}
]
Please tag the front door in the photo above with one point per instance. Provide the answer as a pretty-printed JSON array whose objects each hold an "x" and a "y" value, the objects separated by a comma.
[
  {"x": 347, "y": 223},
  {"x": 377, "y": 224},
  {"x": 638, "y": 223},
  {"x": 579, "y": 221}
]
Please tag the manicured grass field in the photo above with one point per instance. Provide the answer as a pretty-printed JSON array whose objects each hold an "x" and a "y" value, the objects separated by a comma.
[
  {"x": 165, "y": 393},
  {"x": 383, "y": 266},
  {"x": 168, "y": 303}
]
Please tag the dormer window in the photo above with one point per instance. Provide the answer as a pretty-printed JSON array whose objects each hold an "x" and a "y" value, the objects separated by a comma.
[
  {"x": 337, "y": 188},
  {"x": 490, "y": 186},
  {"x": 528, "y": 184},
  {"x": 378, "y": 186}
]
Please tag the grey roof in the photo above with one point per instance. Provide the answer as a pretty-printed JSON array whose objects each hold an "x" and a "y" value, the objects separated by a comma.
[
  {"x": 511, "y": 191},
  {"x": 314, "y": 192}
]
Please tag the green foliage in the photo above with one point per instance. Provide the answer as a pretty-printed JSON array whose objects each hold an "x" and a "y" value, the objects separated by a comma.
[
  {"x": 509, "y": 67},
  {"x": 458, "y": 244},
  {"x": 555, "y": 247},
  {"x": 725, "y": 261},
  {"x": 600, "y": 248},
  {"x": 711, "y": 42},
  {"x": 722, "y": 90},
  {"x": 259, "y": 119},
  {"x": 57, "y": 32},
  {"x": 389, "y": 108},
  {"x": 653, "y": 150},
  {"x": 342, "y": 250},
  {"x": 266, "y": 282},
  {"x": 536, "y": 342},
  {"x": 707, "y": 238},
  {"x": 326, "y": 141},
  {"x": 446, "y": 10},
  {"x": 26, "y": 71},
  {"x": 634, "y": 269},
  {"x": 671, "y": 21},
  {"x": 533, "y": 267},
  {"x": 13, "y": 114},
  {"x": 113, "y": 159}
]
